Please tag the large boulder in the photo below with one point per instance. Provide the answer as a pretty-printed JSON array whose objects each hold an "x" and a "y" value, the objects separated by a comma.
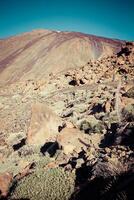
[
  {"x": 44, "y": 124},
  {"x": 72, "y": 140}
]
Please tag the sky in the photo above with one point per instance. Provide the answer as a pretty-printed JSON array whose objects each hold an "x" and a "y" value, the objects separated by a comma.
[{"x": 108, "y": 18}]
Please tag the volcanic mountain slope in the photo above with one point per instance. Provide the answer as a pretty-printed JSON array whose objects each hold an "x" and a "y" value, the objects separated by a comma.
[
  {"x": 36, "y": 54},
  {"x": 69, "y": 136}
]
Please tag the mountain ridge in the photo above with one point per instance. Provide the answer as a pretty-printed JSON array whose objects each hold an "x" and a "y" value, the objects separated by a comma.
[
  {"x": 36, "y": 54},
  {"x": 60, "y": 31}
]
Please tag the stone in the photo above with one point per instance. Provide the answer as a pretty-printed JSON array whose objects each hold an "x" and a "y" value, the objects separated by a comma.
[
  {"x": 130, "y": 93},
  {"x": 3, "y": 142},
  {"x": 69, "y": 148},
  {"x": 5, "y": 183},
  {"x": 79, "y": 163},
  {"x": 107, "y": 106},
  {"x": 121, "y": 61},
  {"x": 15, "y": 138},
  {"x": 67, "y": 113},
  {"x": 123, "y": 153},
  {"x": 43, "y": 125},
  {"x": 69, "y": 124},
  {"x": 26, "y": 169},
  {"x": 68, "y": 167},
  {"x": 106, "y": 158},
  {"x": 107, "y": 150},
  {"x": 2, "y": 157},
  {"x": 128, "y": 112},
  {"x": 72, "y": 139},
  {"x": 51, "y": 165},
  {"x": 95, "y": 139},
  {"x": 125, "y": 101}
]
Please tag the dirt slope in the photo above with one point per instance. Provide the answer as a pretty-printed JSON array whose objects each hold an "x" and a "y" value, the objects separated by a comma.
[{"x": 36, "y": 54}]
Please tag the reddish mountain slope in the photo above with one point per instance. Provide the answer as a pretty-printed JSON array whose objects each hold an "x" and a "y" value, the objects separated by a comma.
[{"x": 36, "y": 54}]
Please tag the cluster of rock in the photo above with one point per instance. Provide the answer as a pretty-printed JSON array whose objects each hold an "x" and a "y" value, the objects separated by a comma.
[
  {"x": 105, "y": 69},
  {"x": 78, "y": 125}
]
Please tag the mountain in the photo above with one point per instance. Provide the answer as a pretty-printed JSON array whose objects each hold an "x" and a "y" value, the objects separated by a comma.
[{"x": 36, "y": 54}]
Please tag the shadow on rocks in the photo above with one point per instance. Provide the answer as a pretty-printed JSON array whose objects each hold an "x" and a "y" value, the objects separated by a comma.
[
  {"x": 107, "y": 188},
  {"x": 50, "y": 148}
]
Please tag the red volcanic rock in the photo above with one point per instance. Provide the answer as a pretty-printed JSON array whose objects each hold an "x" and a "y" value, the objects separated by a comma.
[
  {"x": 72, "y": 139},
  {"x": 107, "y": 106},
  {"x": 44, "y": 124},
  {"x": 5, "y": 182},
  {"x": 36, "y": 54}
]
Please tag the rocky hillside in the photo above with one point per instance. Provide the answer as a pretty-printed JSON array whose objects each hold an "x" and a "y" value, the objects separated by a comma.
[
  {"x": 68, "y": 136},
  {"x": 36, "y": 54}
]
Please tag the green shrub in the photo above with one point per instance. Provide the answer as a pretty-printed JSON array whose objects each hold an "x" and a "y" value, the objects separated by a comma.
[{"x": 51, "y": 184}]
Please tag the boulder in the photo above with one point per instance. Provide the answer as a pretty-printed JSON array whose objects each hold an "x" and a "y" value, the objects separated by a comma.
[
  {"x": 128, "y": 112},
  {"x": 120, "y": 60},
  {"x": 5, "y": 183},
  {"x": 125, "y": 101},
  {"x": 79, "y": 163},
  {"x": 130, "y": 93},
  {"x": 72, "y": 139},
  {"x": 44, "y": 124},
  {"x": 107, "y": 106},
  {"x": 69, "y": 124}
]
